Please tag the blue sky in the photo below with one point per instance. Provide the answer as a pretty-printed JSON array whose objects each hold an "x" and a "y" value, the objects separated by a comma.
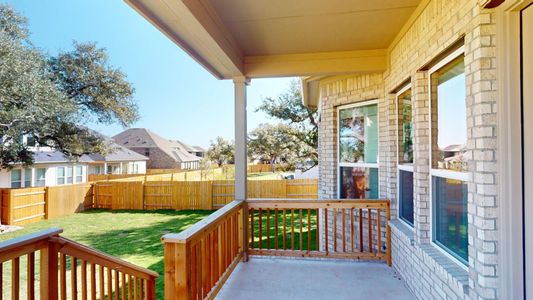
[{"x": 177, "y": 98}]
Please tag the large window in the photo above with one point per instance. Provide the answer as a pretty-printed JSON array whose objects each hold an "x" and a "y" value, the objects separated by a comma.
[
  {"x": 358, "y": 151},
  {"x": 40, "y": 177},
  {"x": 16, "y": 178},
  {"x": 405, "y": 155},
  {"x": 448, "y": 165}
]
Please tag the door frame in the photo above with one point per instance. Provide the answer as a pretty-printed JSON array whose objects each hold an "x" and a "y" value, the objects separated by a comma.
[{"x": 511, "y": 258}]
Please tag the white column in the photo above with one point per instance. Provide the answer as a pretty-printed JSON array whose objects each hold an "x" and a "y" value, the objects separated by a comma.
[{"x": 241, "y": 137}]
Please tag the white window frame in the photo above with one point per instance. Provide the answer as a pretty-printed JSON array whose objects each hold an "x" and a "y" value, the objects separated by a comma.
[
  {"x": 442, "y": 173},
  {"x": 354, "y": 165},
  {"x": 407, "y": 167},
  {"x": 76, "y": 174},
  {"x": 64, "y": 177}
]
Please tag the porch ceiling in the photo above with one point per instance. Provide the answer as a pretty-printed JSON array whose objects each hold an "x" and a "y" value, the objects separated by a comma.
[{"x": 267, "y": 38}]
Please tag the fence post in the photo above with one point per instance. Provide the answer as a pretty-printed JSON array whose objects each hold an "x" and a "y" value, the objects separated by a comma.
[
  {"x": 49, "y": 280},
  {"x": 388, "y": 233},
  {"x": 245, "y": 224},
  {"x": 177, "y": 271},
  {"x": 46, "y": 203}
]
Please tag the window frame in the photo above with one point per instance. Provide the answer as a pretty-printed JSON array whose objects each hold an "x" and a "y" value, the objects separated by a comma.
[
  {"x": 463, "y": 176},
  {"x": 76, "y": 168},
  {"x": 406, "y": 167},
  {"x": 64, "y": 177},
  {"x": 26, "y": 172},
  {"x": 337, "y": 138}
]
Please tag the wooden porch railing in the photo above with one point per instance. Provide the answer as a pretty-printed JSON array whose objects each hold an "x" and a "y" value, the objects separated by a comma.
[
  {"x": 200, "y": 259},
  {"x": 68, "y": 270}
]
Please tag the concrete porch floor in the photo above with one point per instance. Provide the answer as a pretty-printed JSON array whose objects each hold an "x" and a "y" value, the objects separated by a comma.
[{"x": 289, "y": 278}]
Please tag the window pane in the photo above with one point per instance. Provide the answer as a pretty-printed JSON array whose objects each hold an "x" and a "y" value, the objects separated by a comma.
[
  {"x": 69, "y": 174},
  {"x": 450, "y": 126},
  {"x": 40, "y": 177},
  {"x": 27, "y": 177},
  {"x": 450, "y": 200},
  {"x": 406, "y": 196},
  {"x": 359, "y": 183},
  {"x": 61, "y": 175},
  {"x": 16, "y": 178},
  {"x": 405, "y": 133},
  {"x": 358, "y": 134},
  {"x": 79, "y": 174}
]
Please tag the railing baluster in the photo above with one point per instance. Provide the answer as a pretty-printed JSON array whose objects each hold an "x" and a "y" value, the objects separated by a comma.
[
  {"x": 317, "y": 229},
  {"x": 83, "y": 280},
  {"x": 252, "y": 233},
  {"x": 334, "y": 230},
  {"x": 378, "y": 227},
  {"x": 123, "y": 286},
  {"x": 284, "y": 229},
  {"x": 343, "y": 219},
  {"x": 361, "y": 230},
  {"x": 268, "y": 228},
  {"x": 193, "y": 272},
  {"x": 117, "y": 285},
  {"x": 301, "y": 232},
  {"x": 31, "y": 276},
  {"x": 15, "y": 278},
  {"x": 276, "y": 228},
  {"x": 260, "y": 217},
  {"x": 93, "y": 281},
  {"x": 326, "y": 241},
  {"x": 74, "y": 277},
  {"x": 2, "y": 285},
  {"x": 369, "y": 211},
  {"x": 292, "y": 229},
  {"x": 135, "y": 289},
  {"x": 352, "y": 228},
  {"x": 308, "y": 230},
  {"x": 63, "y": 276},
  {"x": 102, "y": 282},
  {"x": 109, "y": 284},
  {"x": 130, "y": 287}
]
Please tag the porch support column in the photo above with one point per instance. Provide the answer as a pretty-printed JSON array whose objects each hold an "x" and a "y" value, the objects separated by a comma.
[{"x": 240, "y": 137}]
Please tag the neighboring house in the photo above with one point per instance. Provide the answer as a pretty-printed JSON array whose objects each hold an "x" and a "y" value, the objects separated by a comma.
[
  {"x": 120, "y": 161},
  {"x": 309, "y": 174},
  {"x": 194, "y": 150},
  {"x": 53, "y": 168},
  {"x": 162, "y": 153},
  {"x": 50, "y": 168}
]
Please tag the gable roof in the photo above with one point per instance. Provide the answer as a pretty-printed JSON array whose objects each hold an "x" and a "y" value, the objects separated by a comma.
[{"x": 144, "y": 138}]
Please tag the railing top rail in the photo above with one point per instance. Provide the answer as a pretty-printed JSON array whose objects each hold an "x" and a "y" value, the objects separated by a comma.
[
  {"x": 29, "y": 239},
  {"x": 317, "y": 203},
  {"x": 202, "y": 226},
  {"x": 78, "y": 250}
]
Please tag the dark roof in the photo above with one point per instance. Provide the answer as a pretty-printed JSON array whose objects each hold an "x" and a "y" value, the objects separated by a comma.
[
  {"x": 144, "y": 138},
  {"x": 47, "y": 157}
]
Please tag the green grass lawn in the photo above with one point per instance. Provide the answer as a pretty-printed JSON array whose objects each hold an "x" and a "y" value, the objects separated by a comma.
[{"x": 131, "y": 235}]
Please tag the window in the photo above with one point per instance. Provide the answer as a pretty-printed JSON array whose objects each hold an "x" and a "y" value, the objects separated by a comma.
[
  {"x": 358, "y": 151},
  {"x": 16, "y": 178},
  {"x": 448, "y": 166},
  {"x": 60, "y": 175},
  {"x": 69, "y": 175},
  {"x": 27, "y": 177},
  {"x": 97, "y": 170},
  {"x": 40, "y": 177},
  {"x": 30, "y": 141},
  {"x": 79, "y": 174},
  {"x": 405, "y": 155},
  {"x": 147, "y": 152}
]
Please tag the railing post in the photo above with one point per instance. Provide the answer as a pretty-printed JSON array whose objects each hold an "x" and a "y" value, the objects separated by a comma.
[
  {"x": 177, "y": 271},
  {"x": 49, "y": 279}
]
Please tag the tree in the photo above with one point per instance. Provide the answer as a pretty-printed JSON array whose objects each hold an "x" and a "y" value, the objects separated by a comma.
[
  {"x": 288, "y": 107},
  {"x": 276, "y": 143},
  {"x": 52, "y": 98},
  {"x": 221, "y": 152}
]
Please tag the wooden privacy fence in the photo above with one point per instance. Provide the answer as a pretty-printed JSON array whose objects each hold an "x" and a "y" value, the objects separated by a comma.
[
  {"x": 161, "y": 175},
  {"x": 199, "y": 260},
  {"x": 28, "y": 205},
  {"x": 59, "y": 268},
  {"x": 193, "y": 194}
]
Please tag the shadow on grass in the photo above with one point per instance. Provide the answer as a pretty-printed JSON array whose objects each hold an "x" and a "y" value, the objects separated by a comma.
[{"x": 143, "y": 243}]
